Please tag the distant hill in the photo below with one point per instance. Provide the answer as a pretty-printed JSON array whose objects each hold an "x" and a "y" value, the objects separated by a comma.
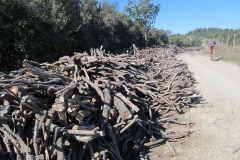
[
  {"x": 223, "y": 35},
  {"x": 202, "y": 36}
]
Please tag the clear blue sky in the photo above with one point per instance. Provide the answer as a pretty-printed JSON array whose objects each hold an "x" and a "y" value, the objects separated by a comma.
[{"x": 181, "y": 16}]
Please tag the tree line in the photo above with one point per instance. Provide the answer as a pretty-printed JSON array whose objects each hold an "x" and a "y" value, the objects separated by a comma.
[
  {"x": 44, "y": 30},
  {"x": 184, "y": 40},
  {"x": 224, "y": 35},
  {"x": 194, "y": 38}
]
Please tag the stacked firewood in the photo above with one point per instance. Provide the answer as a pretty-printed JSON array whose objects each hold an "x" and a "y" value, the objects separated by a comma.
[{"x": 94, "y": 106}]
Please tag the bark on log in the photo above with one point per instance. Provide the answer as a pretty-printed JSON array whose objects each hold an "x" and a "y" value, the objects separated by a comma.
[
  {"x": 122, "y": 108},
  {"x": 66, "y": 110}
]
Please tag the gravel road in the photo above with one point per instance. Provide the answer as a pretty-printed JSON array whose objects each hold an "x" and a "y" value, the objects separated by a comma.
[{"x": 217, "y": 124}]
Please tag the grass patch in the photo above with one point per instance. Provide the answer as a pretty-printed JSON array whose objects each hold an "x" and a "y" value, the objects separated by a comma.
[{"x": 226, "y": 55}]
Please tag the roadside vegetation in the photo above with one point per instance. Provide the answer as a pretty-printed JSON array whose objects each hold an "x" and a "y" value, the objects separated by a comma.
[
  {"x": 184, "y": 41},
  {"x": 225, "y": 52},
  {"x": 228, "y": 47},
  {"x": 44, "y": 30},
  {"x": 223, "y": 35}
]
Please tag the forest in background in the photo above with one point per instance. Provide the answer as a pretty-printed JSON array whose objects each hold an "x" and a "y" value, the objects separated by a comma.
[
  {"x": 43, "y": 30},
  {"x": 223, "y": 35}
]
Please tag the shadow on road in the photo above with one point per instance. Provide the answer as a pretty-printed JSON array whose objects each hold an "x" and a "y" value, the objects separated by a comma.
[{"x": 217, "y": 59}]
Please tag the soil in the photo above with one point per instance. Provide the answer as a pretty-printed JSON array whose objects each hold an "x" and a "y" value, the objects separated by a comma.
[{"x": 216, "y": 133}]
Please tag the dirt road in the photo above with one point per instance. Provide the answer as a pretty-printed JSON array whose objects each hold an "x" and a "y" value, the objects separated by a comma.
[{"x": 217, "y": 124}]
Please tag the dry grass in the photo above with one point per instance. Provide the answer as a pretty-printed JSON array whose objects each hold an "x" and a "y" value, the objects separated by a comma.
[{"x": 225, "y": 52}]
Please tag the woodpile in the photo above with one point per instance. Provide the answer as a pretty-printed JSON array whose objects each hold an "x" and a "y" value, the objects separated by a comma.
[{"x": 94, "y": 106}]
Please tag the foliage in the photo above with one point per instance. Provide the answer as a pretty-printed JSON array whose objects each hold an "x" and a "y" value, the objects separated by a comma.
[
  {"x": 158, "y": 37},
  {"x": 217, "y": 33},
  {"x": 36, "y": 30},
  {"x": 43, "y": 30},
  {"x": 143, "y": 14},
  {"x": 184, "y": 41},
  {"x": 22, "y": 34}
]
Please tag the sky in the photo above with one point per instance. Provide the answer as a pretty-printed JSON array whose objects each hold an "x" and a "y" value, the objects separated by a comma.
[{"x": 182, "y": 16}]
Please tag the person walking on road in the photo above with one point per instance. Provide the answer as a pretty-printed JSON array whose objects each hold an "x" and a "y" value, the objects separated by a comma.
[{"x": 212, "y": 47}]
